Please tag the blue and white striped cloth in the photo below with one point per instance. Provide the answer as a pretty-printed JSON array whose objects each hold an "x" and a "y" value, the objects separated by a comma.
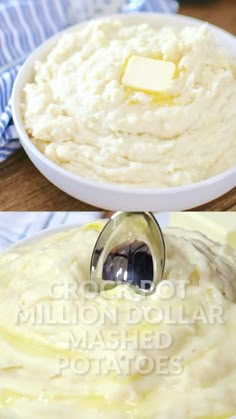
[
  {"x": 25, "y": 24},
  {"x": 16, "y": 226}
]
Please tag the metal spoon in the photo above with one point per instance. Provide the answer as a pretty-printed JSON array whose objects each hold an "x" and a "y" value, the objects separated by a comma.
[{"x": 130, "y": 249}]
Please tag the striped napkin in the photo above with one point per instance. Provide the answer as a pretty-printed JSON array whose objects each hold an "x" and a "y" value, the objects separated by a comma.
[
  {"x": 15, "y": 226},
  {"x": 25, "y": 24}
]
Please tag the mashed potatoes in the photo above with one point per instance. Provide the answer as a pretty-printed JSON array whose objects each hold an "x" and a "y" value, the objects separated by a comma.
[
  {"x": 64, "y": 354},
  {"x": 81, "y": 116}
]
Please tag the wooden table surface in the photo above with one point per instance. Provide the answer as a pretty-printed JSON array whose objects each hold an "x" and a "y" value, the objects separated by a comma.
[{"x": 23, "y": 188}]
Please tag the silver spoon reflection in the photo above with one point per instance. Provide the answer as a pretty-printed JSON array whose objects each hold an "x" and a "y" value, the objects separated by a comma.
[{"x": 130, "y": 249}]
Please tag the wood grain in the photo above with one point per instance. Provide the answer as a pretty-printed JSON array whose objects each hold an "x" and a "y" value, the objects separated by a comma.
[{"x": 23, "y": 188}]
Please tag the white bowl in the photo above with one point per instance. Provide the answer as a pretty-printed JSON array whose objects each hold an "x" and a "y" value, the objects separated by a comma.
[
  {"x": 35, "y": 238},
  {"x": 111, "y": 196}
]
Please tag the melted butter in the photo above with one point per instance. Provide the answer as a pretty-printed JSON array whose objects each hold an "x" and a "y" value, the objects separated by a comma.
[
  {"x": 9, "y": 397},
  {"x": 34, "y": 347},
  {"x": 158, "y": 99},
  {"x": 95, "y": 225},
  {"x": 225, "y": 416}
]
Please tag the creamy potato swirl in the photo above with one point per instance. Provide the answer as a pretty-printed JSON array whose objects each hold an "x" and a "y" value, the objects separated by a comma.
[
  {"x": 32, "y": 347},
  {"x": 81, "y": 116}
]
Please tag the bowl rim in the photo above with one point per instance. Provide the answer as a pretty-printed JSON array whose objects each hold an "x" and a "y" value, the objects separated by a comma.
[
  {"x": 100, "y": 185},
  {"x": 37, "y": 236}
]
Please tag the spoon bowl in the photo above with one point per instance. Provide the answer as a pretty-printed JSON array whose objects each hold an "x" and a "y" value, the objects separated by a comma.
[{"x": 129, "y": 250}]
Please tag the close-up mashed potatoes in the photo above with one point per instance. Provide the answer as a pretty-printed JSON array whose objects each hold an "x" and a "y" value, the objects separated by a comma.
[
  {"x": 79, "y": 112},
  {"x": 44, "y": 307}
]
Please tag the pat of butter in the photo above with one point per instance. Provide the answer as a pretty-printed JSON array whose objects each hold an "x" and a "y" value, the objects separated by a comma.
[
  {"x": 144, "y": 73},
  {"x": 217, "y": 226}
]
